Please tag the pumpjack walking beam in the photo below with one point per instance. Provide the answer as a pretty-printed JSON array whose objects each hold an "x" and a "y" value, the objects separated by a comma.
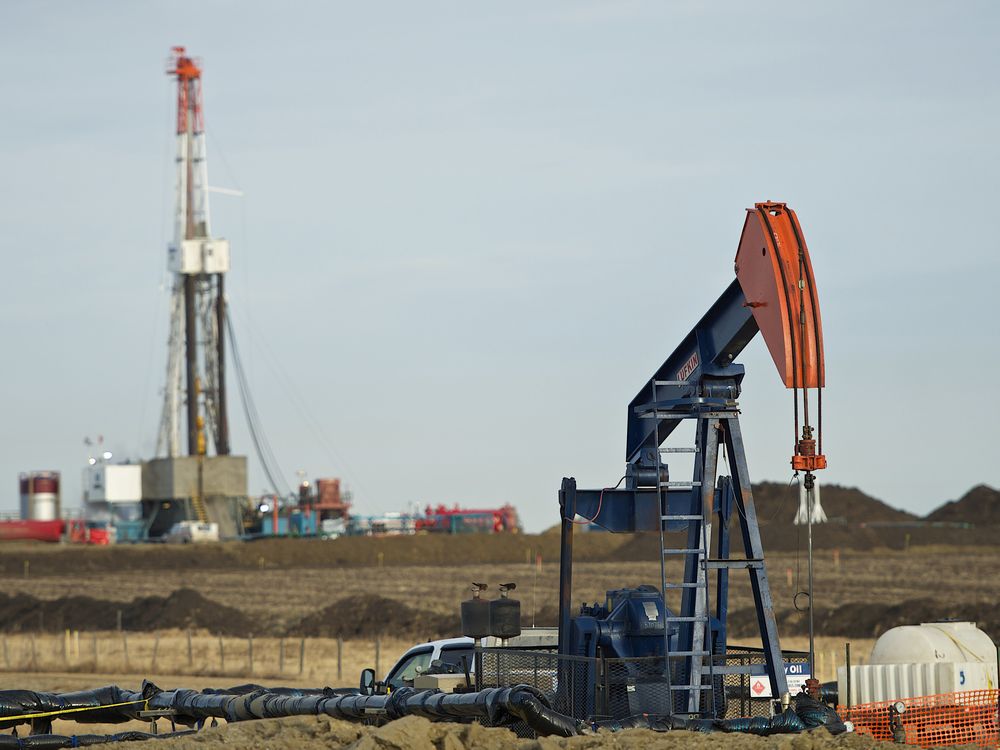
[{"x": 775, "y": 294}]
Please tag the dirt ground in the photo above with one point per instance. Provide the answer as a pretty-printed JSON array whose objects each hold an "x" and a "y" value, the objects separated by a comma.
[{"x": 415, "y": 733}]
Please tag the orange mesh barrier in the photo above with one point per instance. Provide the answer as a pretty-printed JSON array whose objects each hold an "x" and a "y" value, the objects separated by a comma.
[{"x": 966, "y": 718}]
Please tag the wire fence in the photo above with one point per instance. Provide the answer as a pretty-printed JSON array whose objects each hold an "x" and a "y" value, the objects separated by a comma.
[
  {"x": 333, "y": 661},
  {"x": 606, "y": 688}
]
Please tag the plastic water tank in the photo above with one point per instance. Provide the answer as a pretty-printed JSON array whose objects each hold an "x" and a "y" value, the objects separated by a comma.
[
  {"x": 930, "y": 642},
  {"x": 932, "y": 658}
]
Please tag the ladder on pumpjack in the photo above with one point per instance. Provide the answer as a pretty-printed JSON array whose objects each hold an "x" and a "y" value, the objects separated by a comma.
[
  {"x": 697, "y": 691},
  {"x": 694, "y": 555}
]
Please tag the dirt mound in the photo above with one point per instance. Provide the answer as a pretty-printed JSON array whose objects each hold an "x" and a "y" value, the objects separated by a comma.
[
  {"x": 848, "y": 504},
  {"x": 417, "y": 733},
  {"x": 364, "y": 615},
  {"x": 184, "y": 608},
  {"x": 856, "y": 522},
  {"x": 321, "y": 733},
  {"x": 869, "y": 620},
  {"x": 776, "y": 537},
  {"x": 979, "y": 506}
]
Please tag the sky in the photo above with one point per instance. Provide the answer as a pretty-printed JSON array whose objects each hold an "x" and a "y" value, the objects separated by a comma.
[{"x": 471, "y": 231}]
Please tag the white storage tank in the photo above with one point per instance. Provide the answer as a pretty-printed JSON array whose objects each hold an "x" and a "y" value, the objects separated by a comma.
[
  {"x": 930, "y": 642},
  {"x": 926, "y": 659},
  {"x": 39, "y": 495}
]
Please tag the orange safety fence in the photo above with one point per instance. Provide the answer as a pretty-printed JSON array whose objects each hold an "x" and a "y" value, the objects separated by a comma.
[{"x": 965, "y": 718}]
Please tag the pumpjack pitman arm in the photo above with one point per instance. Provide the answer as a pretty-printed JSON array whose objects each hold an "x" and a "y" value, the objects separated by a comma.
[{"x": 775, "y": 293}]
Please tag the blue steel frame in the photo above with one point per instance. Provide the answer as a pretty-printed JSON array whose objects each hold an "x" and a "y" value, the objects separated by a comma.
[
  {"x": 715, "y": 342},
  {"x": 699, "y": 380}
]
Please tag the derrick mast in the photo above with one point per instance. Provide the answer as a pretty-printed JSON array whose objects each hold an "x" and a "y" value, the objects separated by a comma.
[{"x": 195, "y": 393}]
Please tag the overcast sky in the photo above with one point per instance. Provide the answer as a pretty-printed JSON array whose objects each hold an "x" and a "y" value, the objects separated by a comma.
[{"x": 471, "y": 231}]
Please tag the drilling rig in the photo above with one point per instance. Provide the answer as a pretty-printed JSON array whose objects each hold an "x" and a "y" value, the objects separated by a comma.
[
  {"x": 199, "y": 263},
  {"x": 184, "y": 482}
]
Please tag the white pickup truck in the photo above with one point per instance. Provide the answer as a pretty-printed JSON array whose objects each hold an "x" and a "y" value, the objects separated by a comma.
[
  {"x": 452, "y": 651},
  {"x": 186, "y": 532}
]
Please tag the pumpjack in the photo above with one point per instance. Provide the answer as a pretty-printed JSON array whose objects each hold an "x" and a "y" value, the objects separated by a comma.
[{"x": 774, "y": 292}]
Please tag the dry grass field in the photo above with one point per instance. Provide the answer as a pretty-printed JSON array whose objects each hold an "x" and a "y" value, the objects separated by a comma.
[
  {"x": 168, "y": 655},
  {"x": 163, "y": 658}
]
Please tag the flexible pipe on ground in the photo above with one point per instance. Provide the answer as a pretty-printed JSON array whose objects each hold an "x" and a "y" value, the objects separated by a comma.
[{"x": 497, "y": 706}]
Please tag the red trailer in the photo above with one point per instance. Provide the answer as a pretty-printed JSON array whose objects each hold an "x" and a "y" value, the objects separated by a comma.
[
  {"x": 39, "y": 531},
  {"x": 458, "y": 520}
]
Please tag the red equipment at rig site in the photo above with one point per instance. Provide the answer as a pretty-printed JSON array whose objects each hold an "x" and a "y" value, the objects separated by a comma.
[{"x": 444, "y": 519}]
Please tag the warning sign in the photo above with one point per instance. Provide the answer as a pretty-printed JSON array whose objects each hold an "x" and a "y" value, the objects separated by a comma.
[{"x": 795, "y": 675}]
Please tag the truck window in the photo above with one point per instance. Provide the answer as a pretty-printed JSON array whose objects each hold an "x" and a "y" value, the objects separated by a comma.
[
  {"x": 407, "y": 668},
  {"x": 454, "y": 654}
]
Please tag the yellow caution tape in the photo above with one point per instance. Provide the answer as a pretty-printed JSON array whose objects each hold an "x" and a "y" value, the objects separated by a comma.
[{"x": 73, "y": 710}]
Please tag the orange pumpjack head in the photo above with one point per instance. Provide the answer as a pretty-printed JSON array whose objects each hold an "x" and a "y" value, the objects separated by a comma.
[{"x": 775, "y": 273}]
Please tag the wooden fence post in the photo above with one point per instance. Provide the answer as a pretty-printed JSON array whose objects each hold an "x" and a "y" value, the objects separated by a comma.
[
  {"x": 250, "y": 652},
  {"x": 190, "y": 650},
  {"x": 222, "y": 655},
  {"x": 125, "y": 646},
  {"x": 340, "y": 651},
  {"x": 302, "y": 655},
  {"x": 156, "y": 648},
  {"x": 378, "y": 656}
]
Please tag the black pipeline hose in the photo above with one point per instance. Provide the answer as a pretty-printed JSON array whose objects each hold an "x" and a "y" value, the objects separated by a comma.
[
  {"x": 498, "y": 706},
  {"x": 53, "y": 741},
  {"x": 104, "y": 705},
  {"x": 112, "y": 704}
]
